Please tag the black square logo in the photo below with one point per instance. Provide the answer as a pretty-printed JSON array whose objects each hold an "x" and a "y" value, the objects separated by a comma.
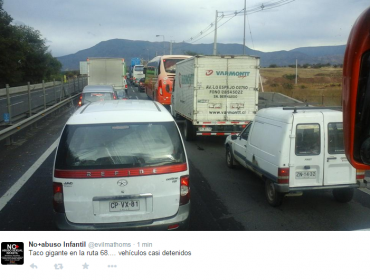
[{"x": 12, "y": 253}]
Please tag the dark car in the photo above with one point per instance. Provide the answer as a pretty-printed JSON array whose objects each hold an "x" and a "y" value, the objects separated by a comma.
[{"x": 141, "y": 85}]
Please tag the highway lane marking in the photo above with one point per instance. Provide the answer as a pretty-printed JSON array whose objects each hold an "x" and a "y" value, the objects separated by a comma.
[
  {"x": 365, "y": 190},
  {"x": 26, "y": 176}
]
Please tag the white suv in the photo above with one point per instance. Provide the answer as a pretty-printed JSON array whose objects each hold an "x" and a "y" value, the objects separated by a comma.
[{"x": 121, "y": 164}]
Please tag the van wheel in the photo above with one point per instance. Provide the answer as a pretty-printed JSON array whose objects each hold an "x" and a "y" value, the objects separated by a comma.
[
  {"x": 274, "y": 198},
  {"x": 343, "y": 195},
  {"x": 229, "y": 158},
  {"x": 189, "y": 132}
]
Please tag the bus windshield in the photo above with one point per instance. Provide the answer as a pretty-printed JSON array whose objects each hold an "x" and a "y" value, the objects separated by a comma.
[
  {"x": 139, "y": 68},
  {"x": 170, "y": 64}
]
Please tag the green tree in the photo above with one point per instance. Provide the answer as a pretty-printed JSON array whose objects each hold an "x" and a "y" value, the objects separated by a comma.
[{"x": 25, "y": 56}]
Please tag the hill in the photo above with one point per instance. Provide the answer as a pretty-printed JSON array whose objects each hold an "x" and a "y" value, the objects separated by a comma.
[{"x": 147, "y": 50}]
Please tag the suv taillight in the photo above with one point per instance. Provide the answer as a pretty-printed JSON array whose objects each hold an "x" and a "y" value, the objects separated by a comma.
[
  {"x": 184, "y": 190},
  {"x": 58, "y": 201},
  {"x": 80, "y": 101},
  {"x": 360, "y": 174},
  {"x": 283, "y": 176}
]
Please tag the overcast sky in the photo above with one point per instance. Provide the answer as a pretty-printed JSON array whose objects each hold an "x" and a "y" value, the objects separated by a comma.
[{"x": 73, "y": 25}]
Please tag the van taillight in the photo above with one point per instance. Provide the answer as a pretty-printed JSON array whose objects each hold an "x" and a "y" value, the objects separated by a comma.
[
  {"x": 360, "y": 174},
  {"x": 184, "y": 190},
  {"x": 283, "y": 176},
  {"x": 58, "y": 200},
  {"x": 80, "y": 101}
]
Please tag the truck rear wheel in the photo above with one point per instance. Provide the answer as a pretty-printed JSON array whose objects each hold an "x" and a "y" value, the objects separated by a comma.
[
  {"x": 189, "y": 131},
  {"x": 343, "y": 195},
  {"x": 274, "y": 198}
]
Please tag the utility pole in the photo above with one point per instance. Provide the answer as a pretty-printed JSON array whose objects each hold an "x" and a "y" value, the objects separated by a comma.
[
  {"x": 296, "y": 71},
  {"x": 170, "y": 47},
  {"x": 215, "y": 40},
  {"x": 245, "y": 14}
]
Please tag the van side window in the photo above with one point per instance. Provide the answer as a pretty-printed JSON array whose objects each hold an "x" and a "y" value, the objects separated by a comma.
[
  {"x": 335, "y": 138},
  {"x": 307, "y": 140},
  {"x": 245, "y": 133}
]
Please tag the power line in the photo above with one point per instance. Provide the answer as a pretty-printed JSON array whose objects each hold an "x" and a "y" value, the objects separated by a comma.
[{"x": 232, "y": 14}]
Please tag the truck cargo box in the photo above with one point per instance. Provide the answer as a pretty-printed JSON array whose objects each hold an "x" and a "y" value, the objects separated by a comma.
[{"x": 217, "y": 95}]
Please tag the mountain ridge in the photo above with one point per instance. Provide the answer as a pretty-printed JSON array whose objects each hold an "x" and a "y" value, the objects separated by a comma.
[{"x": 145, "y": 49}]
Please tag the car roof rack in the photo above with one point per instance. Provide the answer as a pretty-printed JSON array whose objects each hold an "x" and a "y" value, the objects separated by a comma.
[{"x": 338, "y": 108}]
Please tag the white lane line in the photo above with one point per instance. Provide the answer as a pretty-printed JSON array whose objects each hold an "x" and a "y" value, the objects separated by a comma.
[
  {"x": 365, "y": 190},
  {"x": 19, "y": 184}
]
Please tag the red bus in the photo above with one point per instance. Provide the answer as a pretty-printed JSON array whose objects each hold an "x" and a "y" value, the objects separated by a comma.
[{"x": 356, "y": 93}]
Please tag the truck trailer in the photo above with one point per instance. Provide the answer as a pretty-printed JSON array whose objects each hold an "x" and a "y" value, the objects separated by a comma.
[
  {"x": 216, "y": 95},
  {"x": 107, "y": 71}
]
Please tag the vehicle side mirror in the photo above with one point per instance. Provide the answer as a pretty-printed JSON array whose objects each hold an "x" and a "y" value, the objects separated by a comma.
[
  {"x": 234, "y": 137},
  {"x": 356, "y": 93}
]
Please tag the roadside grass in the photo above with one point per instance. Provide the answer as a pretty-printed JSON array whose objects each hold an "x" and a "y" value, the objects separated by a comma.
[{"x": 320, "y": 87}]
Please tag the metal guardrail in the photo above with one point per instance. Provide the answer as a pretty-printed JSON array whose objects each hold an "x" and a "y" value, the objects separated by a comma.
[
  {"x": 25, "y": 101},
  {"x": 9, "y": 131}
]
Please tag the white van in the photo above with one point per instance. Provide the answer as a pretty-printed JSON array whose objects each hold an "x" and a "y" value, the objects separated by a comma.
[
  {"x": 294, "y": 150},
  {"x": 121, "y": 164}
]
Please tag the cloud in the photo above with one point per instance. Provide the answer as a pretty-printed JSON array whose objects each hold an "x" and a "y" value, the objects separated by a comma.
[{"x": 72, "y": 25}]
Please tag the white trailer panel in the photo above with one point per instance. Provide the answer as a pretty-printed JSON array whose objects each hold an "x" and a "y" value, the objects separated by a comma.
[
  {"x": 107, "y": 71},
  {"x": 216, "y": 90}
]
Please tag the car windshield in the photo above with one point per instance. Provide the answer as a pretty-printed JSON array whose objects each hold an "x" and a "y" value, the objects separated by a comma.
[
  {"x": 119, "y": 145},
  {"x": 170, "y": 64}
]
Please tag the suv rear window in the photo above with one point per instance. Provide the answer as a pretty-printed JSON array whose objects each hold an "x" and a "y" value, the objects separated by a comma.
[
  {"x": 119, "y": 145},
  {"x": 97, "y": 96},
  {"x": 335, "y": 139}
]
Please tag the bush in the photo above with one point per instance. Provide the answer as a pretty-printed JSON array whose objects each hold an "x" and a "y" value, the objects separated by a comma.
[
  {"x": 287, "y": 86},
  {"x": 273, "y": 66},
  {"x": 274, "y": 85},
  {"x": 289, "y": 76},
  {"x": 303, "y": 87}
]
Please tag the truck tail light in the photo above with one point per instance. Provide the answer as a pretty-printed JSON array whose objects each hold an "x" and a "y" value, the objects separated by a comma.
[
  {"x": 283, "y": 176},
  {"x": 360, "y": 174},
  {"x": 58, "y": 200},
  {"x": 184, "y": 190}
]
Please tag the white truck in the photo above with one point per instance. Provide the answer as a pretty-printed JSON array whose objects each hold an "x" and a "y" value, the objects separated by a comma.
[
  {"x": 137, "y": 74},
  {"x": 107, "y": 71},
  {"x": 216, "y": 95}
]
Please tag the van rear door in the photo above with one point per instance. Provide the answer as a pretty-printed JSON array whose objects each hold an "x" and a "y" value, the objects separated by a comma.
[
  {"x": 307, "y": 151},
  {"x": 337, "y": 170}
]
